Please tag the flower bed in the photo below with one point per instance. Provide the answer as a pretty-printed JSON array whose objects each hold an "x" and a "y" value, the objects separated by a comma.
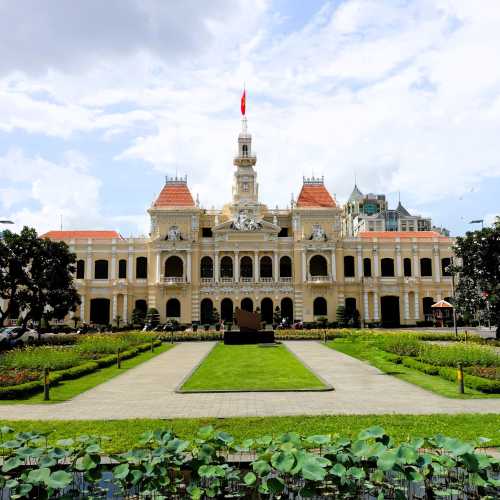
[
  {"x": 288, "y": 466},
  {"x": 66, "y": 363}
]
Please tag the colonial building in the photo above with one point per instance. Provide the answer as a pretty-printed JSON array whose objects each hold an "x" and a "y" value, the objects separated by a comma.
[{"x": 306, "y": 259}]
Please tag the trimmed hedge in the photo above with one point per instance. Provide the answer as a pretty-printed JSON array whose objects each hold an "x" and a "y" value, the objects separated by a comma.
[
  {"x": 472, "y": 381},
  {"x": 30, "y": 388}
]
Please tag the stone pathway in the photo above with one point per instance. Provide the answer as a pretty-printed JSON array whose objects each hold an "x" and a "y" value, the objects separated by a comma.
[{"x": 148, "y": 391}]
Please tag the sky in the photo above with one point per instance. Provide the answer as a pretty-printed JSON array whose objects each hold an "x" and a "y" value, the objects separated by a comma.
[{"x": 99, "y": 101}]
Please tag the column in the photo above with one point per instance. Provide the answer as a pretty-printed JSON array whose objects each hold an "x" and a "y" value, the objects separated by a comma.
[
  {"x": 236, "y": 267},
  {"x": 304, "y": 266},
  {"x": 82, "y": 308},
  {"x": 113, "y": 314},
  {"x": 437, "y": 265},
  {"x": 375, "y": 307},
  {"x": 417, "y": 306},
  {"x": 375, "y": 263},
  {"x": 256, "y": 266},
  {"x": 359, "y": 267},
  {"x": 416, "y": 267},
  {"x": 406, "y": 306},
  {"x": 398, "y": 261},
  {"x": 88, "y": 267},
  {"x": 366, "y": 307},
  {"x": 216, "y": 266},
  {"x": 125, "y": 309},
  {"x": 276, "y": 266},
  {"x": 158, "y": 269},
  {"x": 334, "y": 264},
  {"x": 113, "y": 266},
  {"x": 130, "y": 272},
  {"x": 188, "y": 266}
]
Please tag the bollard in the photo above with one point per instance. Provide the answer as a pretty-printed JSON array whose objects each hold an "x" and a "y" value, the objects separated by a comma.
[
  {"x": 46, "y": 384},
  {"x": 460, "y": 378},
  {"x": 466, "y": 336},
  {"x": 152, "y": 345},
  {"x": 118, "y": 359},
  {"x": 172, "y": 336},
  {"x": 324, "y": 336}
]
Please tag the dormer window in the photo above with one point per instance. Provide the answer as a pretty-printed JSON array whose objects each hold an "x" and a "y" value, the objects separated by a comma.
[{"x": 244, "y": 150}]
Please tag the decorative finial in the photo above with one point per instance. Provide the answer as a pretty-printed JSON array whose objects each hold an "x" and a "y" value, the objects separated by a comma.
[{"x": 198, "y": 200}]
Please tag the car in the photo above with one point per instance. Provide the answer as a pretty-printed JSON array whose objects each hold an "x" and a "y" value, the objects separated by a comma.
[{"x": 17, "y": 336}]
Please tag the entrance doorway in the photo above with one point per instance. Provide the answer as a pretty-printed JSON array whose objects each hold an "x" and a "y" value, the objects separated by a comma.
[
  {"x": 99, "y": 311},
  {"x": 266, "y": 310},
  {"x": 206, "y": 310},
  {"x": 226, "y": 310},
  {"x": 390, "y": 311},
  {"x": 287, "y": 309},
  {"x": 247, "y": 305}
]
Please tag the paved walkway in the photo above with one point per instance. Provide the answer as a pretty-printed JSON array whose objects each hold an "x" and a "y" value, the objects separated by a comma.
[{"x": 147, "y": 391}]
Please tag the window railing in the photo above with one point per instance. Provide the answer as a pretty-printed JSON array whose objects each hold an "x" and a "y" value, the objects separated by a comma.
[
  {"x": 266, "y": 280},
  {"x": 285, "y": 279},
  {"x": 206, "y": 281},
  {"x": 317, "y": 279},
  {"x": 226, "y": 279},
  {"x": 246, "y": 279}
]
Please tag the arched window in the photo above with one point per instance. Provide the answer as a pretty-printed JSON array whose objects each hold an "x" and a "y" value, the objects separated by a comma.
[
  {"x": 320, "y": 307},
  {"x": 101, "y": 269},
  {"x": 226, "y": 267},
  {"x": 367, "y": 267},
  {"x": 244, "y": 150},
  {"x": 407, "y": 266},
  {"x": 266, "y": 267},
  {"x": 247, "y": 305},
  {"x": 122, "y": 269},
  {"x": 445, "y": 264},
  {"x": 206, "y": 267},
  {"x": 173, "y": 308},
  {"x": 349, "y": 266},
  {"x": 387, "y": 267},
  {"x": 174, "y": 267},
  {"x": 425, "y": 267},
  {"x": 80, "y": 269},
  {"x": 318, "y": 266},
  {"x": 246, "y": 267},
  {"x": 141, "y": 268},
  {"x": 285, "y": 267}
]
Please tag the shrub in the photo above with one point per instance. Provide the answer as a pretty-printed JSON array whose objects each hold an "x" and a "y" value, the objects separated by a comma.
[
  {"x": 18, "y": 376},
  {"x": 451, "y": 355},
  {"x": 402, "y": 345},
  {"x": 418, "y": 365}
]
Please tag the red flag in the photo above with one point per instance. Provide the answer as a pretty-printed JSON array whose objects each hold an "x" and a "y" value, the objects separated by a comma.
[{"x": 243, "y": 102}]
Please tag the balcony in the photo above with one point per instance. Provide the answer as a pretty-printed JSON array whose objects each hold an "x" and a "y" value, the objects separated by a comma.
[
  {"x": 206, "y": 281},
  {"x": 266, "y": 280},
  {"x": 245, "y": 279},
  {"x": 319, "y": 279},
  {"x": 285, "y": 279},
  {"x": 226, "y": 280},
  {"x": 173, "y": 280}
]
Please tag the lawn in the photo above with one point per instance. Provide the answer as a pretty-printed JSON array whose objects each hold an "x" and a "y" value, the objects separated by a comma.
[
  {"x": 68, "y": 389},
  {"x": 367, "y": 351},
  {"x": 251, "y": 368},
  {"x": 124, "y": 434}
]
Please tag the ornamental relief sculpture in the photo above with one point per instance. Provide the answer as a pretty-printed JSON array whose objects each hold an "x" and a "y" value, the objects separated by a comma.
[
  {"x": 246, "y": 221},
  {"x": 174, "y": 234},
  {"x": 318, "y": 233}
]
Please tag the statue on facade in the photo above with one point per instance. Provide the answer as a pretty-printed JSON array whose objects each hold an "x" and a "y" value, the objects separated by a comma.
[
  {"x": 174, "y": 234},
  {"x": 318, "y": 233},
  {"x": 245, "y": 221}
]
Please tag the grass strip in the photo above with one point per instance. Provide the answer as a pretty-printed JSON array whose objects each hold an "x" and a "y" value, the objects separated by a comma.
[
  {"x": 367, "y": 351},
  {"x": 125, "y": 433},
  {"x": 68, "y": 389},
  {"x": 250, "y": 367}
]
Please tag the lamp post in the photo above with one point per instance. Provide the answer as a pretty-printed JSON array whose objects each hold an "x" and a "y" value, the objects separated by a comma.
[
  {"x": 454, "y": 301},
  {"x": 478, "y": 221}
]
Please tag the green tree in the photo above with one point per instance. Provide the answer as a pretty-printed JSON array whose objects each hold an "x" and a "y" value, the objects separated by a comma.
[
  {"x": 215, "y": 316},
  {"x": 478, "y": 268},
  {"x": 38, "y": 276},
  {"x": 153, "y": 316},
  {"x": 138, "y": 317},
  {"x": 341, "y": 315},
  {"x": 277, "y": 315}
]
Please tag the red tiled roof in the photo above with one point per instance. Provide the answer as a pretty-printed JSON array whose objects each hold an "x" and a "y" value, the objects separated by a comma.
[
  {"x": 401, "y": 234},
  {"x": 69, "y": 235},
  {"x": 174, "y": 194},
  {"x": 315, "y": 195},
  {"x": 442, "y": 304}
]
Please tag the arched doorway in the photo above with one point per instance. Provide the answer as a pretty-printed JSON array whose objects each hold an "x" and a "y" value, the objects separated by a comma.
[
  {"x": 320, "y": 307},
  {"x": 427, "y": 308},
  {"x": 173, "y": 308},
  {"x": 247, "y": 305},
  {"x": 99, "y": 311},
  {"x": 206, "y": 308},
  {"x": 174, "y": 267},
  {"x": 287, "y": 309},
  {"x": 389, "y": 306},
  {"x": 266, "y": 310},
  {"x": 226, "y": 310},
  {"x": 318, "y": 266}
]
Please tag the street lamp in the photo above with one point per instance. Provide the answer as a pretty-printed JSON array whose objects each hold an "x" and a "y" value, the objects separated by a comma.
[
  {"x": 478, "y": 221},
  {"x": 6, "y": 222}
]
